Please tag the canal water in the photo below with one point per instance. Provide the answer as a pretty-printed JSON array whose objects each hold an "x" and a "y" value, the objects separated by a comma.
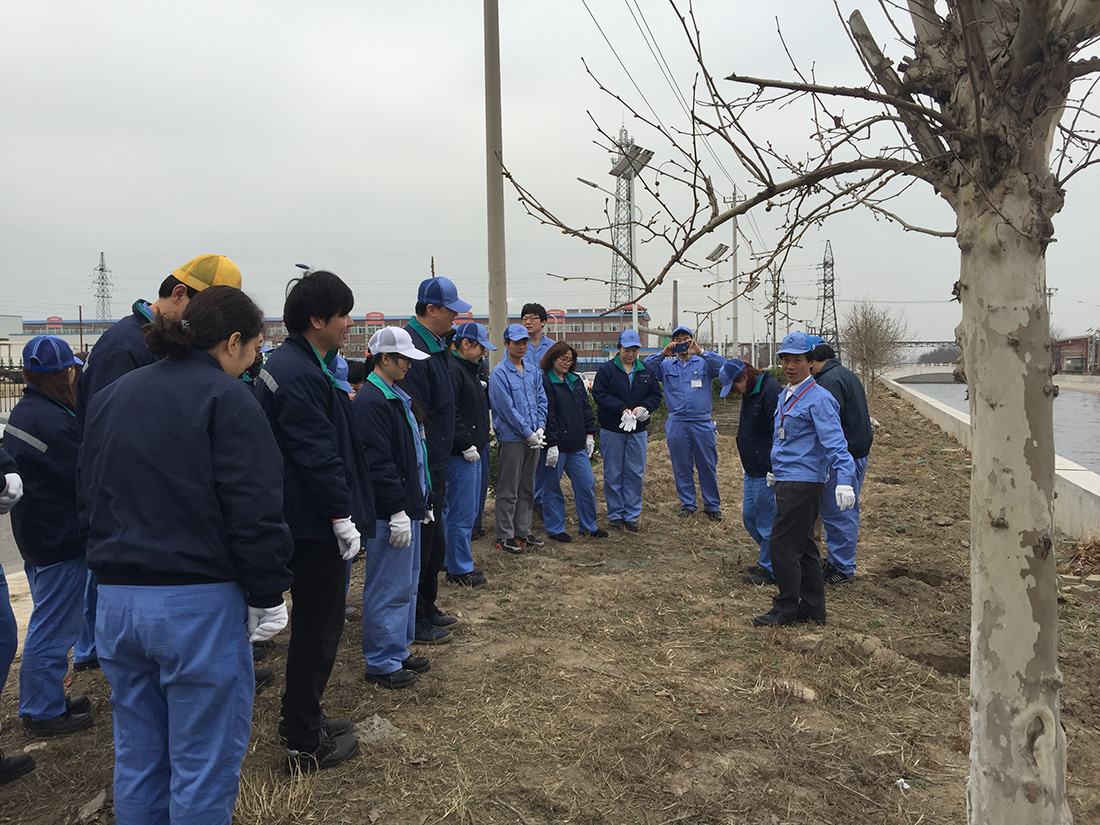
[{"x": 1076, "y": 420}]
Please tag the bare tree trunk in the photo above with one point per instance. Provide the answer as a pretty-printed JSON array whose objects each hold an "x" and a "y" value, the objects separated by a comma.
[{"x": 1017, "y": 754}]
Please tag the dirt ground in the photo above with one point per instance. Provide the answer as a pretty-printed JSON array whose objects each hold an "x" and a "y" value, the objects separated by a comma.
[{"x": 619, "y": 681}]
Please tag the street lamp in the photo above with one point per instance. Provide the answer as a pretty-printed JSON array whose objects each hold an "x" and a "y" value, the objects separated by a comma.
[
  {"x": 714, "y": 257},
  {"x": 630, "y": 255}
]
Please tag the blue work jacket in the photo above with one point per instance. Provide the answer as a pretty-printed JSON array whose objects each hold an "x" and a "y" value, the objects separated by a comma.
[
  {"x": 813, "y": 442},
  {"x": 396, "y": 458},
  {"x": 119, "y": 350},
  {"x": 569, "y": 418},
  {"x": 683, "y": 401},
  {"x": 180, "y": 482},
  {"x": 533, "y": 357},
  {"x": 325, "y": 471},
  {"x": 616, "y": 391},
  {"x": 428, "y": 382},
  {"x": 518, "y": 401},
  {"x": 756, "y": 426},
  {"x": 41, "y": 437},
  {"x": 848, "y": 391}
]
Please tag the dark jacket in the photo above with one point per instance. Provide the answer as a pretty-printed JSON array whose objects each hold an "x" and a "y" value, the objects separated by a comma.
[
  {"x": 180, "y": 482},
  {"x": 614, "y": 393},
  {"x": 325, "y": 471},
  {"x": 119, "y": 350},
  {"x": 569, "y": 417},
  {"x": 855, "y": 420},
  {"x": 41, "y": 436},
  {"x": 429, "y": 384},
  {"x": 756, "y": 427},
  {"x": 471, "y": 405},
  {"x": 391, "y": 452},
  {"x": 7, "y": 465}
]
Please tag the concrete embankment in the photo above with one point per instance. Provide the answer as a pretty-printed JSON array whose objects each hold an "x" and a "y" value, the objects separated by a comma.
[{"x": 1076, "y": 490}]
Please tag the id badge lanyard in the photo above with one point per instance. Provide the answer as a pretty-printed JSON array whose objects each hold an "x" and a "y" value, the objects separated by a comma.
[{"x": 781, "y": 433}]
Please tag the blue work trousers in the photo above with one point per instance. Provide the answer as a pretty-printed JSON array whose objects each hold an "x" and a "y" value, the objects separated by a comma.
[
  {"x": 757, "y": 514},
  {"x": 84, "y": 649},
  {"x": 486, "y": 467},
  {"x": 390, "y": 581},
  {"x": 463, "y": 488},
  {"x": 58, "y": 594},
  {"x": 694, "y": 443},
  {"x": 181, "y": 674},
  {"x": 579, "y": 469},
  {"x": 842, "y": 526},
  {"x": 624, "y": 456},
  {"x": 9, "y": 631}
]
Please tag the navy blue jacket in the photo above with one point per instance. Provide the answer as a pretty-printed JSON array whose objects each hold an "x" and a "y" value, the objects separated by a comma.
[
  {"x": 180, "y": 482},
  {"x": 569, "y": 418},
  {"x": 391, "y": 451},
  {"x": 119, "y": 350},
  {"x": 855, "y": 419},
  {"x": 7, "y": 465},
  {"x": 614, "y": 393},
  {"x": 325, "y": 471},
  {"x": 471, "y": 405},
  {"x": 756, "y": 427},
  {"x": 41, "y": 436},
  {"x": 429, "y": 384}
]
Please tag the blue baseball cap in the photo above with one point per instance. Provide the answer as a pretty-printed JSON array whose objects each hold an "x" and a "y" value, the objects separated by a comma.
[
  {"x": 796, "y": 343},
  {"x": 48, "y": 353},
  {"x": 815, "y": 340},
  {"x": 473, "y": 331},
  {"x": 516, "y": 332},
  {"x": 730, "y": 372},
  {"x": 441, "y": 292},
  {"x": 629, "y": 338},
  {"x": 340, "y": 373},
  {"x": 679, "y": 329}
]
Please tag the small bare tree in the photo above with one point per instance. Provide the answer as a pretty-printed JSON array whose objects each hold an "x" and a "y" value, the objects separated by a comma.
[{"x": 872, "y": 336}]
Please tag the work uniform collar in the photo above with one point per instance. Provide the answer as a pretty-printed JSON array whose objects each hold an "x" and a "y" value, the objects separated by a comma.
[
  {"x": 434, "y": 342},
  {"x": 143, "y": 309},
  {"x": 794, "y": 390},
  {"x": 638, "y": 365},
  {"x": 571, "y": 376},
  {"x": 325, "y": 361},
  {"x": 759, "y": 384},
  {"x": 31, "y": 389}
]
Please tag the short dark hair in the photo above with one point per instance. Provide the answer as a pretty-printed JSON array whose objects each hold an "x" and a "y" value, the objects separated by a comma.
[
  {"x": 170, "y": 283},
  {"x": 319, "y": 294},
  {"x": 823, "y": 352},
  {"x": 534, "y": 309},
  {"x": 554, "y": 353},
  {"x": 212, "y": 316},
  {"x": 357, "y": 371}
]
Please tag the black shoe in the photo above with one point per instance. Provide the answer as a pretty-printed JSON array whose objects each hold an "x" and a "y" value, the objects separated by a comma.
[
  {"x": 475, "y": 578},
  {"x": 438, "y": 618},
  {"x": 758, "y": 575},
  {"x": 417, "y": 664},
  {"x": 78, "y": 704},
  {"x": 79, "y": 667},
  {"x": 772, "y": 619},
  {"x": 511, "y": 546},
  {"x": 615, "y": 524},
  {"x": 632, "y": 526},
  {"x": 428, "y": 634},
  {"x": 714, "y": 515},
  {"x": 564, "y": 538},
  {"x": 264, "y": 677},
  {"x": 59, "y": 725},
  {"x": 398, "y": 680},
  {"x": 328, "y": 753},
  {"x": 13, "y": 767},
  {"x": 804, "y": 616},
  {"x": 598, "y": 533},
  {"x": 329, "y": 727},
  {"x": 531, "y": 541},
  {"x": 686, "y": 512},
  {"x": 478, "y": 533},
  {"x": 833, "y": 576}
]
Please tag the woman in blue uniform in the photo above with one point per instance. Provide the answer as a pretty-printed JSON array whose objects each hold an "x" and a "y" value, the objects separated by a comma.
[
  {"x": 181, "y": 489},
  {"x": 42, "y": 437},
  {"x": 393, "y": 440}
]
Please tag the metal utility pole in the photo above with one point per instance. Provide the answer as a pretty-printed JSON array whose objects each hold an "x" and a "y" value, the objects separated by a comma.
[
  {"x": 625, "y": 165},
  {"x": 102, "y": 283},
  {"x": 736, "y": 333},
  {"x": 675, "y": 304},
  {"x": 829, "y": 329},
  {"x": 494, "y": 181},
  {"x": 774, "y": 312}
]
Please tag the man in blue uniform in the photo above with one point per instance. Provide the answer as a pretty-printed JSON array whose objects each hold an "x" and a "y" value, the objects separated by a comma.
[
  {"x": 533, "y": 317},
  {"x": 808, "y": 444},
  {"x": 686, "y": 372},
  {"x": 842, "y": 527}
]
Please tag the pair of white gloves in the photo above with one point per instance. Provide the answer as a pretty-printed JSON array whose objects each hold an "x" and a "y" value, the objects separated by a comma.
[
  {"x": 589, "y": 448},
  {"x": 537, "y": 439},
  {"x": 845, "y": 494},
  {"x": 13, "y": 491},
  {"x": 631, "y": 418}
]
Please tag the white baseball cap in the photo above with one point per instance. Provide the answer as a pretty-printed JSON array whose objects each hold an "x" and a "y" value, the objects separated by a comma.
[{"x": 396, "y": 340}]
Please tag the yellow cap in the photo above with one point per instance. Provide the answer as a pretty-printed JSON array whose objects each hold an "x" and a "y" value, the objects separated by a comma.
[{"x": 209, "y": 270}]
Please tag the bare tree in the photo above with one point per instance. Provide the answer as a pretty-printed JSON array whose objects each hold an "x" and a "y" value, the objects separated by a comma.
[
  {"x": 988, "y": 107},
  {"x": 872, "y": 336}
]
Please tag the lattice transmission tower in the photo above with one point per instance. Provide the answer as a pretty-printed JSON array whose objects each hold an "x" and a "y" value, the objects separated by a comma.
[
  {"x": 829, "y": 329},
  {"x": 622, "y": 235},
  {"x": 102, "y": 283}
]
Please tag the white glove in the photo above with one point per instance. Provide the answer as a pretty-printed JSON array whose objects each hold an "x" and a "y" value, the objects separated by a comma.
[
  {"x": 845, "y": 497},
  {"x": 401, "y": 531},
  {"x": 483, "y": 384},
  {"x": 347, "y": 536},
  {"x": 629, "y": 422},
  {"x": 534, "y": 440},
  {"x": 590, "y": 444},
  {"x": 429, "y": 516},
  {"x": 641, "y": 413},
  {"x": 12, "y": 492},
  {"x": 770, "y": 479},
  {"x": 552, "y": 457},
  {"x": 471, "y": 454},
  {"x": 265, "y": 622},
  {"x": 541, "y": 433}
]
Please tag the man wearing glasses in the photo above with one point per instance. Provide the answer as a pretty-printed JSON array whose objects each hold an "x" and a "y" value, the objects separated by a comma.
[{"x": 534, "y": 317}]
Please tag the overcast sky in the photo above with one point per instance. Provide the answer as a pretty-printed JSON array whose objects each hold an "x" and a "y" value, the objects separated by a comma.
[{"x": 349, "y": 135}]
